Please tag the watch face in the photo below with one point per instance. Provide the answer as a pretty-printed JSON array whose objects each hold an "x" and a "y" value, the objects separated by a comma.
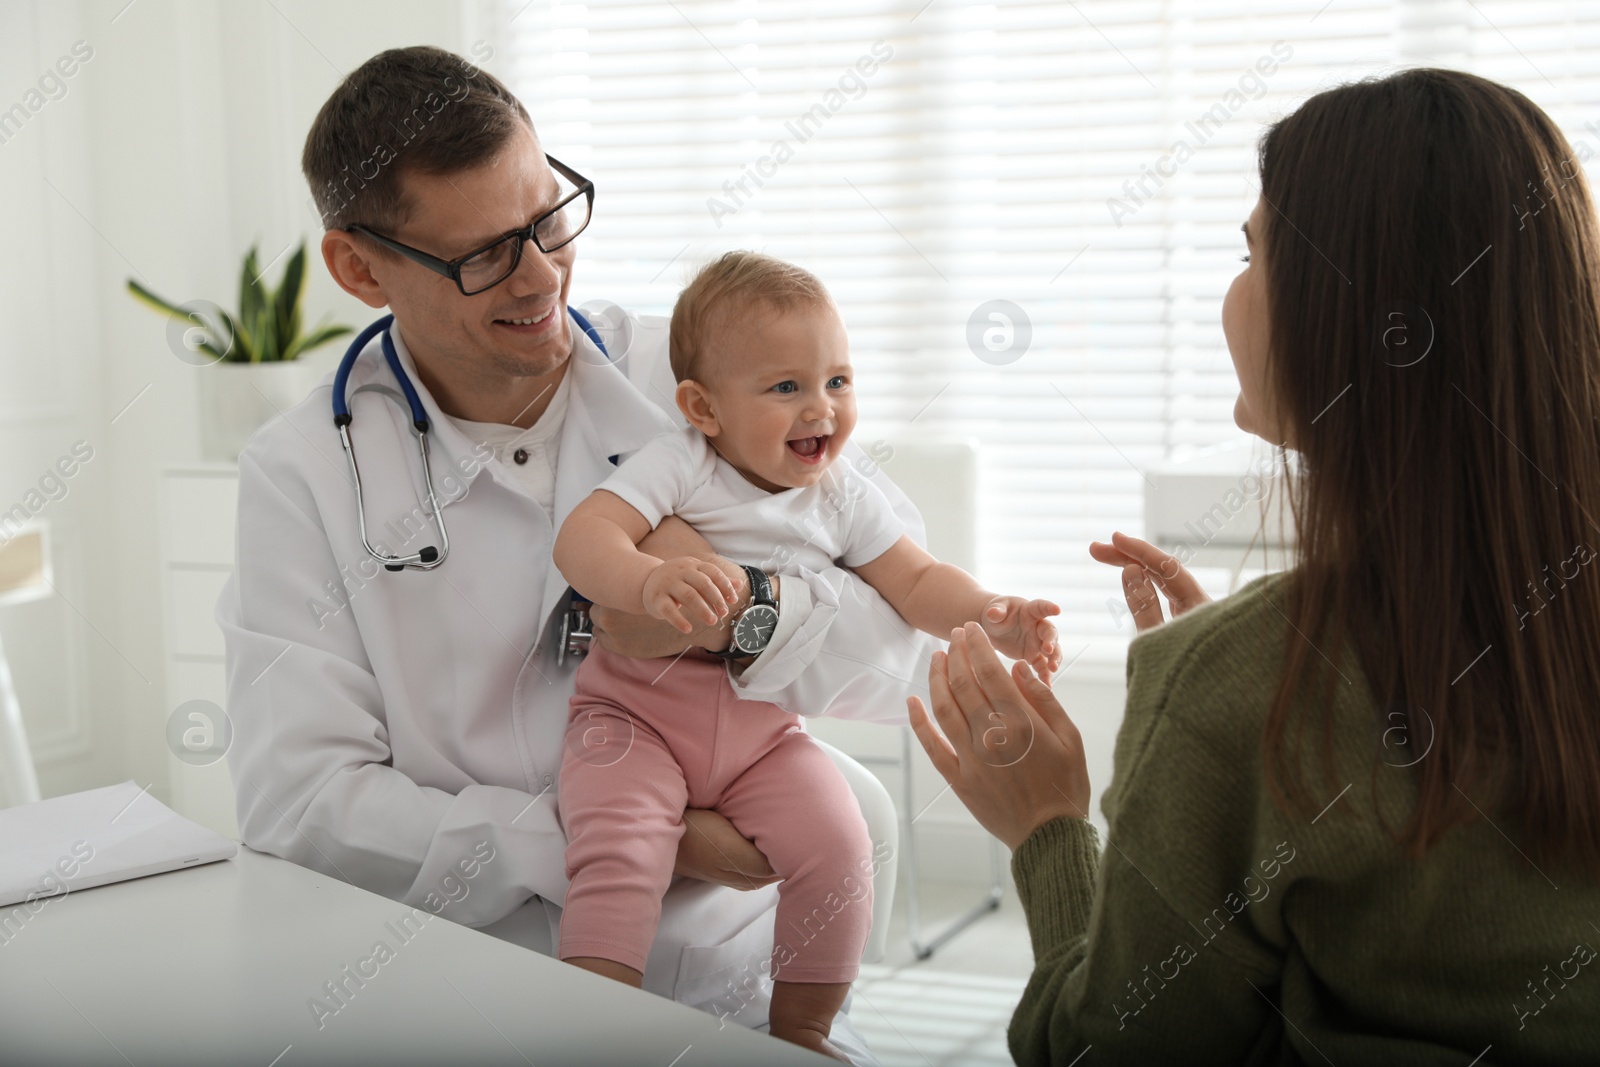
[{"x": 755, "y": 627}]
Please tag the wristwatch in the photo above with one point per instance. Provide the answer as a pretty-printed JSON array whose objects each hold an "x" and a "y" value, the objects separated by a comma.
[{"x": 754, "y": 626}]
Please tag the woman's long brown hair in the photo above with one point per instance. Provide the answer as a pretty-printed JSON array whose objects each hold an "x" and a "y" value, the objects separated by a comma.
[{"x": 1434, "y": 294}]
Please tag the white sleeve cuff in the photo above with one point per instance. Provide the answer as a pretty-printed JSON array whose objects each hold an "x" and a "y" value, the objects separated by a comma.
[{"x": 794, "y": 608}]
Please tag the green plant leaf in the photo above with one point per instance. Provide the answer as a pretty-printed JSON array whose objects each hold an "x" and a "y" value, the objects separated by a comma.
[
  {"x": 267, "y": 326},
  {"x": 252, "y": 295},
  {"x": 209, "y": 342},
  {"x": 151, "y": 300},
  {"x": 315, "y": 339},
  {"x": 266, "y": 336},
  {"x": 243, "y": 350},
  {"x": 286, "y": 302}
]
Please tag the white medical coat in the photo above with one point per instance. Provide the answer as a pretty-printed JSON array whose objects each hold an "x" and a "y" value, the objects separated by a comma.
[{"x": 387, "y": 723}]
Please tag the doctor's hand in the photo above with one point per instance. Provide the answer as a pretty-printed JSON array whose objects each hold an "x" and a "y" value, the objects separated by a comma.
[
  {"x": 1008, "y": 748},
  {"x": 1145, "y": 568},
  {"x": 640, "y": 636},
  {"x": 712, "y": 850}
]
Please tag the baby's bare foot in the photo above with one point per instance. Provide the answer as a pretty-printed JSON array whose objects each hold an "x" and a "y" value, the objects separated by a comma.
[
  {"x": 802, "y": 1013},
  {"x": 812, "y": 1040}
]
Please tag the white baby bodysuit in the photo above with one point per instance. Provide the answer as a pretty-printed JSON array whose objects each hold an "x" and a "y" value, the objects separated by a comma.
[{"x": 843, "y": 520}]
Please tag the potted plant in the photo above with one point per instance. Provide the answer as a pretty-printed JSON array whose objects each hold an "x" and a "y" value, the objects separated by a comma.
[{"x": 251, "y": 362}]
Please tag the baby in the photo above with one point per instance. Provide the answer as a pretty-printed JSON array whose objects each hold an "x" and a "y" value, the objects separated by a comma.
[{"x": 764, "y": 378}]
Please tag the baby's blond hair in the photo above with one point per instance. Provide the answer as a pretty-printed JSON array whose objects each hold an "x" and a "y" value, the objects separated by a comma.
[{"x": 729, "y": 284}]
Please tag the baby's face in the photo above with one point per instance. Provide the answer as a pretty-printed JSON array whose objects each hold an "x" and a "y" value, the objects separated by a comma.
[{"x": 783, "y": 393}]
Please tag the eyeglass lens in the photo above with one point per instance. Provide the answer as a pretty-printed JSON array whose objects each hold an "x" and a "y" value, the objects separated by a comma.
[{"x": 495, "y": 264}]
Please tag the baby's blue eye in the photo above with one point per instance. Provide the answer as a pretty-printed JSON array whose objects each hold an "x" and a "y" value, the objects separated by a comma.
[
  {"x": 785, "y": 387},
  {"x": 838, "y": 381}
]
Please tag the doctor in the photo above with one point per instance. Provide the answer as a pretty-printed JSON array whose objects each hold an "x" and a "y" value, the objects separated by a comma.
[{"x": 402, "y": 730}]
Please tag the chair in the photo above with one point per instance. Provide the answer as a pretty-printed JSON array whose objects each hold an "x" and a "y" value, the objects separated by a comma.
[
  {"x": 941, "y": 478},
  {"x": 1221, "y": 507},
  {"x": 24, "y": 575},
  {"x": 883, "y": 826}
]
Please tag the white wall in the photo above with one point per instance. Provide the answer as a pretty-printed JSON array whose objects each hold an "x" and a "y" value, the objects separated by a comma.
[
  {"x": 53, "y": 396},
  {"x": 175, "y": 147}
]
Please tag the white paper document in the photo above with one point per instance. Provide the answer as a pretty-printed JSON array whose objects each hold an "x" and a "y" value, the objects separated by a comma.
[{"x": 98, "y": 836}]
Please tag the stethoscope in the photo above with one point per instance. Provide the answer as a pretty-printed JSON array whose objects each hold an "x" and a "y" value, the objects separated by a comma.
[{"x": 575, "y": 633}]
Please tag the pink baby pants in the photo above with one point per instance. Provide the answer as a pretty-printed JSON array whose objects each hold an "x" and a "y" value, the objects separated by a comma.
[{"x": 647, "y": 738}]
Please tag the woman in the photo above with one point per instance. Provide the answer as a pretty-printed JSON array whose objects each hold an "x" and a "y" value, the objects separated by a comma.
[{"x": 1355, "y": 815}]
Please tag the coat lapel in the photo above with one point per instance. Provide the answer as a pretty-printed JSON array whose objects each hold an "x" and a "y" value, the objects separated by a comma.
[
  {"x": 606, "y": 417},
  {"x": 451, "y": 453}
]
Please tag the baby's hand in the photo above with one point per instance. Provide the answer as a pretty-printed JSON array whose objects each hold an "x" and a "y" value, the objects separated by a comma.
[
  {"x": 1021, "y": 629},
  {"x": 686, "y": 584}
]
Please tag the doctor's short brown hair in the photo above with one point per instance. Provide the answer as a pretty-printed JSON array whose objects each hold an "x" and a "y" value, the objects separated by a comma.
[
  {"x": 727, "y": 287},
  {"x": 416, "y": 109}
]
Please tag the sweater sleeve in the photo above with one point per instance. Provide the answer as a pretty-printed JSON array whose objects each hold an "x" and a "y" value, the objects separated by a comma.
[{"x": 1154, "y": 952}]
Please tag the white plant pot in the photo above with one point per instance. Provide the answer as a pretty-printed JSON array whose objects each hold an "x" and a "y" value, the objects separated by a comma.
[{"x": 237, "y": 399}]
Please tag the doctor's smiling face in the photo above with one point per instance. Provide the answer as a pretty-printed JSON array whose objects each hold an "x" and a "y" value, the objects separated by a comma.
[{"x": 495, "y": 356}]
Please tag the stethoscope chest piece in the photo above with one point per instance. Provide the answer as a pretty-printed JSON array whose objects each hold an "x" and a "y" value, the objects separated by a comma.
[
  {"x": 429, "y": 556},
  {"x": 576, "y": 632}
]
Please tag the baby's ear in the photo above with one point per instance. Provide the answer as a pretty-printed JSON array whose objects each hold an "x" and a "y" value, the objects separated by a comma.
[{"x": 695, "y": 403}]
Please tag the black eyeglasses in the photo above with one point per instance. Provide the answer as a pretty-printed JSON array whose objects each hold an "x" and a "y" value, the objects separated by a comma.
[{"x": 492, "y": 264}]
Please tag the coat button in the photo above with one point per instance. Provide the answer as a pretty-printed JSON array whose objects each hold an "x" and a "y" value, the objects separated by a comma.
[{"x": 520, "y": 455}]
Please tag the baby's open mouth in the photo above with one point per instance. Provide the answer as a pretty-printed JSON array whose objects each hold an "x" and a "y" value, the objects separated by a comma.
[{"x": 809, "y": 449}]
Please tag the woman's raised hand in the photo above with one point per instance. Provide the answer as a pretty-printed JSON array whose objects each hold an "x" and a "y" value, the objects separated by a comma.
[
  {"x": 1003, "y": 741},
  {"x": 1146, "y": 569}
]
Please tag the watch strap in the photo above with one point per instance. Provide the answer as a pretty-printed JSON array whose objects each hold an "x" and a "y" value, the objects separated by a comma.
[{"x": 760, "y": 586}]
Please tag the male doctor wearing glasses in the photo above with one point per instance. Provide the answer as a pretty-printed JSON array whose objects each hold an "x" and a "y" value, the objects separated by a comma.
[{"x": 403, "y": 730}]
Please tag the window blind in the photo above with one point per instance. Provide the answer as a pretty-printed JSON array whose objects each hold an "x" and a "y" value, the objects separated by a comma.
[{"x": 1079, "y": 170}]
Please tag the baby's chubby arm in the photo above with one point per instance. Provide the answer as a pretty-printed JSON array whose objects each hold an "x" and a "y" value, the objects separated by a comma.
[
  {"x": 940, "y": 597},
  {"x": 597, "y": 551}
]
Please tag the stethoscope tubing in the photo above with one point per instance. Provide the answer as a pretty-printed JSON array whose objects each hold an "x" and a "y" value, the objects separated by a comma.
[{"x": 429, "y": 556}]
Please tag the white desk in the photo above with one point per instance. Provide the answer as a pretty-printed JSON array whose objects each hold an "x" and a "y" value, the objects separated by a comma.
[{"x": 217, "y": 965}]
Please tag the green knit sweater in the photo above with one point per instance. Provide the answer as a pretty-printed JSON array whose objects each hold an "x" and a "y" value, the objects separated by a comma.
[{"x": 1216, "y": 930}]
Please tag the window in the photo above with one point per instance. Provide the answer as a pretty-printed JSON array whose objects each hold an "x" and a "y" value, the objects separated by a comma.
[{"x": 1086, "y": 163}]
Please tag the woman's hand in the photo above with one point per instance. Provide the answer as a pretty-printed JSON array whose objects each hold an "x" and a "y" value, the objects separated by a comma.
[
  {"x": 1145, "y": 568},
  {"x": 712, "y": 850},
  {"x": 1009, "y": 751}
]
